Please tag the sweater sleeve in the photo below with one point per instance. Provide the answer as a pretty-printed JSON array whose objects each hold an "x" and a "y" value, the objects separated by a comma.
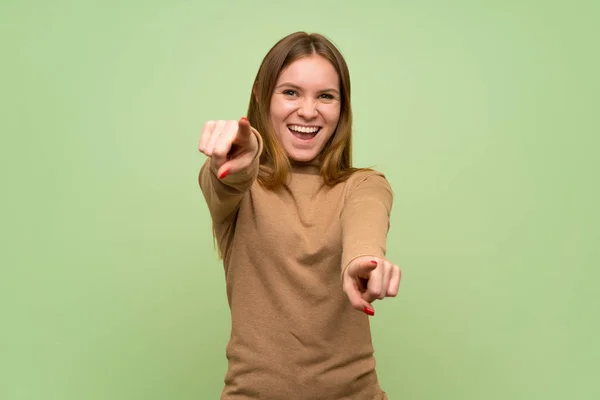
[
  {"x": 365, "y": 218},
  {"x": 223, "y": 196}
]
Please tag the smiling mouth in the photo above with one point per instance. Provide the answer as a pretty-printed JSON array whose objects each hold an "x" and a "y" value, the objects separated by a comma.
[{"x": 304, "y": 132}]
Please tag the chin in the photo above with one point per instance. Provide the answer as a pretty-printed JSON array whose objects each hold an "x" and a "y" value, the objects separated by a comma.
[{"x": 302, "y": 158}]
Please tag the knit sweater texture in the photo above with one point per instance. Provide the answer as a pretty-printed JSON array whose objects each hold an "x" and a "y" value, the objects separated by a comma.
[{"x": 294, "y": 334}]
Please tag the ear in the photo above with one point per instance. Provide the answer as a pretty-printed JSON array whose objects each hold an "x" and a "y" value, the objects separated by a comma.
[{"x": 254, "y": 91}]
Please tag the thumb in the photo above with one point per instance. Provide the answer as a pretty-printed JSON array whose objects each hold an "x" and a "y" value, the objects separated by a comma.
[
  {"x": 355, "y": 297},
  {"x": 233, "y": 166}
]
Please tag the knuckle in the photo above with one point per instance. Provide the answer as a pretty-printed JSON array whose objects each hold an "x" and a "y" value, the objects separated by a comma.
[
  {"x": 220, "y": 148},
  {"x": 229, "y": 126},
  {"x": 219, "y": 153},
  {"x": 369, "y": 296}
]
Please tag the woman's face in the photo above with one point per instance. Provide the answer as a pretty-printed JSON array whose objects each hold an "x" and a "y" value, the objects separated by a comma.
[{"x": 305, "y": 106}]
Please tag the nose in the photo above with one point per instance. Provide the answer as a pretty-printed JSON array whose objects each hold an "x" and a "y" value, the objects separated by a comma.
[{"x": 308, "y": 109}]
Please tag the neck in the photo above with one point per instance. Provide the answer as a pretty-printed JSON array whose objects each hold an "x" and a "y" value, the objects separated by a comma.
[{"x": 312, "y": 166}]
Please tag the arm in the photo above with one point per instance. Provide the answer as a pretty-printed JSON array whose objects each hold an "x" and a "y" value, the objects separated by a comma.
[{"x": 365, "y": 221}]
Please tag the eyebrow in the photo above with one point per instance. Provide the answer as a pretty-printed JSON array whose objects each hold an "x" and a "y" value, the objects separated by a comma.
[{"x": 299, "y": 88}]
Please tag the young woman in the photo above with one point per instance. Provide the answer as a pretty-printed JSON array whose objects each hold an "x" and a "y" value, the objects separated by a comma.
[{"x": 301, "y": 232}]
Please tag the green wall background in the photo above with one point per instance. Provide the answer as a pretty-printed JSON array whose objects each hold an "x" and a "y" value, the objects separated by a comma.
[{"x": 483, "y": 115}]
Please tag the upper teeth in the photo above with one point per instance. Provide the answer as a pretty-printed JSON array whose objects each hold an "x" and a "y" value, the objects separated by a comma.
[{"x": 304, "y": 129}]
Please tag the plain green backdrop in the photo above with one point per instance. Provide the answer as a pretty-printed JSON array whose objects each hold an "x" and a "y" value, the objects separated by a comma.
[{"x": 483, "y": 116}]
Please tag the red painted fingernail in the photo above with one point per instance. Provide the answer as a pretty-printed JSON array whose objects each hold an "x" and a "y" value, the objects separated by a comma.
[
  {"x": 244, "y": 119},
  {"x": 368, "y": 311},
  {"x": 373, "y": 262},
  {"x": 224, "y": 174}
]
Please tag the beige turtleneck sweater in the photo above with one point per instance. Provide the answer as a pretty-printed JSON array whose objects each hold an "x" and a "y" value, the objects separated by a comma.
[{"x": 294, "y": 334}]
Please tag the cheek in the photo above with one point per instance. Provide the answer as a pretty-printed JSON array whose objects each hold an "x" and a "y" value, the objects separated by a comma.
[
  {"x": 278, "y": 114},
  {"x": 331, "y": 113},
  {"x": 287, "y": 107},
  {"x": 280, "y": 110}
]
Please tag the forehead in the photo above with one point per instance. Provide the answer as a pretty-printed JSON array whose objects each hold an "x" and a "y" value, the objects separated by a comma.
[{"x": 312, "y": 71}]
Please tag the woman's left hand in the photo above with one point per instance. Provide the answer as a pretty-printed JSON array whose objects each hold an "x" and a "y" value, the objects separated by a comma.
[{"x": 367, "y": 279}]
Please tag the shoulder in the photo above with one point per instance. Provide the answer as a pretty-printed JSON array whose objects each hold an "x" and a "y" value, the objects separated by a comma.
[
  {"x": 369, "y": 182},
  {"x": 369, "y": 177}
]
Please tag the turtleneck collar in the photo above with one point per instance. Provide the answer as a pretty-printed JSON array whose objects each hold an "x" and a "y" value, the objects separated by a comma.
[{"x": 312, "y": 167}]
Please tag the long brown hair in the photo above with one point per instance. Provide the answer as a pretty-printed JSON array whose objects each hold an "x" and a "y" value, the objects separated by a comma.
[{"x": 336, "y": 157}]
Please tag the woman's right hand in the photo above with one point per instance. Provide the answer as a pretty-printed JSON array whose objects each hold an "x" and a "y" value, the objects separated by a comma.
[{"x": 231, "y": 145}]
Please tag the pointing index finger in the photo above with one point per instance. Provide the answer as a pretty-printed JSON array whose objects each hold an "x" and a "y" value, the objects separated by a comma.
[{"x": 244, "y": 128}]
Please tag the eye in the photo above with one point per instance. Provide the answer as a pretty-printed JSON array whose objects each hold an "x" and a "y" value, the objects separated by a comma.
[
  {"x": 289, "y": 92},
  {"x": 327, "y": 96}
]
